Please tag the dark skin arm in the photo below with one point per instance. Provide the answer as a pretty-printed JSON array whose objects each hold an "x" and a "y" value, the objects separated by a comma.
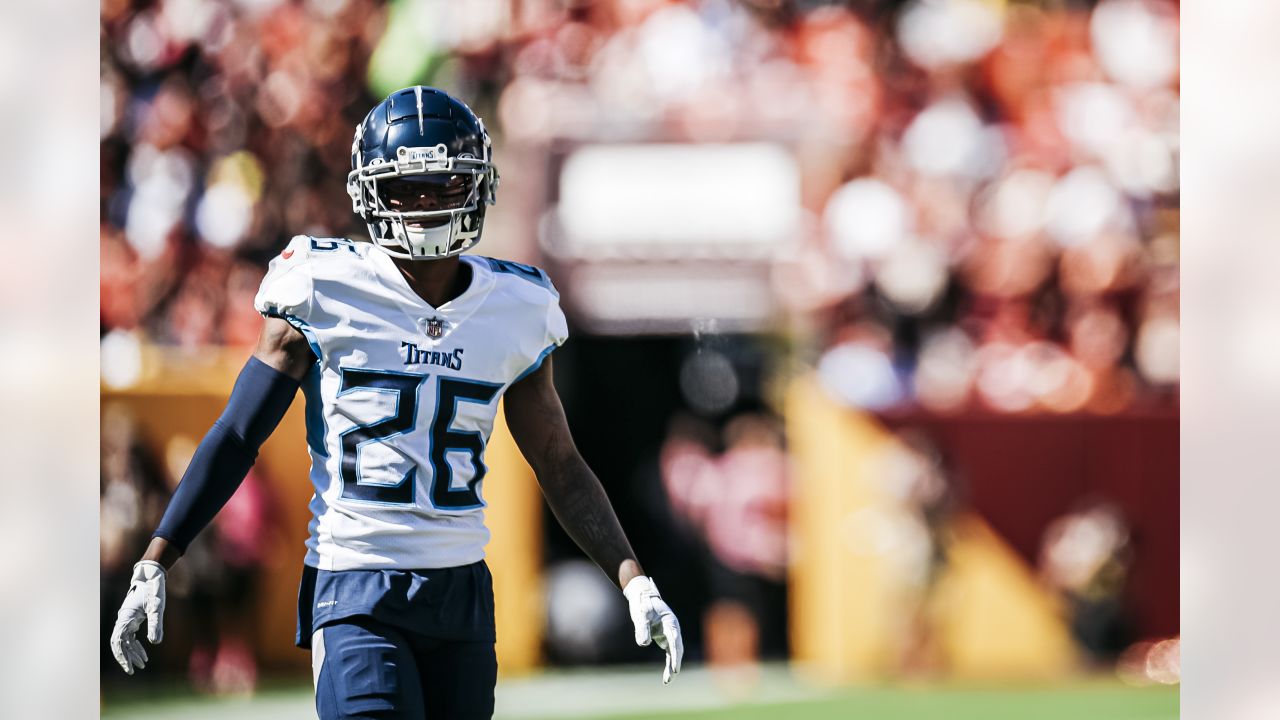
[
  {"x": 281, "y": 346},
  {"x": 537, "y": 422}
]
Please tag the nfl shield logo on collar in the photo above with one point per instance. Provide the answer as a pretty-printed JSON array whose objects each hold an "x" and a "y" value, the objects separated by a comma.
[{"x": 435, "y": 327}]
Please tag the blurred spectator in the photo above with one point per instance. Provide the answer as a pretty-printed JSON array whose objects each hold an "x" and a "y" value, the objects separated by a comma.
[
  {"x": 914, "y": 520},
  {"x": 1085, "y": 558},
  {"x": 737, "y": 500},
  {"x": 132, "y": 500}
]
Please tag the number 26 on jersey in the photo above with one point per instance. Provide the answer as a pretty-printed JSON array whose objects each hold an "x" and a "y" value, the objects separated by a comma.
[{"x": 442, "y": 437}]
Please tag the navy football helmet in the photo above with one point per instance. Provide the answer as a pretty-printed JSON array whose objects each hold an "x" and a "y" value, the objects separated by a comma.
[{"x": 422, "y": 174}]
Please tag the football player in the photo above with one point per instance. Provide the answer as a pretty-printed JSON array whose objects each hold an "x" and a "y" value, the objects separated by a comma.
[{"x": 402, "y": 347}]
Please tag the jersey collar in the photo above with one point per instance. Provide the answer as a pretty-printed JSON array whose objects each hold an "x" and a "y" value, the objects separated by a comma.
[{"x": 453, "y": 312}]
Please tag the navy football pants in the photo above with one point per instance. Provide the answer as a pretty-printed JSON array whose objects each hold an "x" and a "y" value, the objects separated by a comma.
[{"x": 367, "y": 669}]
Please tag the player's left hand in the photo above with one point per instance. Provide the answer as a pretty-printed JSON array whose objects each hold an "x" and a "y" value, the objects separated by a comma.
[
  {"x": 145, "y": 601},
  {"x": 655, "y": 622}
]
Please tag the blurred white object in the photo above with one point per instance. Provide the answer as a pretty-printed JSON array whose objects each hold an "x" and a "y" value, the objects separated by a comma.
[
  {"x": 940, "y": 32},
  {"x": 188, "y": 20},
  {"x": 948, "y": 138},
  {"x": 676, "y": 200},
  {"x": 1136, "y": 41},
  {"x": 1094, "y": 116},
  {"x": 1164, "y": 662},
  {"x": 161, "y": 181},
  {"x": 1004, "y": 377},
  {"x": 121, "y": 359},
  {"x": 680, "y": 54},
  {"x": 1101, "y": 120},
  {"x": 859, "y": 375},
  {"x": 1078, "y": 545},
  {"x": 110, "y": 101},
  {"x": 1082, "y": 204},
  {"x": 581, "y": 606},
  {"x": 224, "y": 214},
  {"x": 154, "y": 210},
  {"x": 1058, "y": 382},
  {"x": 1147, "y": 663},
  {"x": 1145, "y": 162},
  {"x": 945, "y": 370},
  {"x": 1156, "y": 349},
  {"x": 866, "y": 218},
  {"x": 661, "y": 234},
  {"x": 144, "y": 41},
  {"x": 1014, "y": 207},
  {"x": 913, "y": 276}
]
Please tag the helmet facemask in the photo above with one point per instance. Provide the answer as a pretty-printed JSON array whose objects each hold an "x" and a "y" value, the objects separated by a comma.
[{"x": 463, "y": 186}]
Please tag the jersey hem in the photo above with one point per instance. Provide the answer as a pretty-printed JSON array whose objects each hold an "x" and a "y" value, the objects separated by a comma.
[{"x": 315, "y": 561}]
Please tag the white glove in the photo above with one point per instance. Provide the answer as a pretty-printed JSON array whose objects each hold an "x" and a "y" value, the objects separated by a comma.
[
  {"x": 145, "y": 601},
  {"x": 654, "y": 621}
]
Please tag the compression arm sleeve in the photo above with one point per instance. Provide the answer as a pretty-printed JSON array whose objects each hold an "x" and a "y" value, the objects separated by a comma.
[{"x": 259, "y": 400}]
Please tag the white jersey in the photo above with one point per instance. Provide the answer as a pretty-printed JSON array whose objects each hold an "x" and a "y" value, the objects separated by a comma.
[{"x": 402, "y": 399}]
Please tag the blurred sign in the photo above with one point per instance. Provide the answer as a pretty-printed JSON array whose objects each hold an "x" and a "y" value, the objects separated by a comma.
[
  {"x": 661, "y": 236},
  {"x": 673, "y": 201}
]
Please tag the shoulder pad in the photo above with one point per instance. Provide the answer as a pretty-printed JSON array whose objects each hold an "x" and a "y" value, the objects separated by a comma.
[
  {"x": 286, "y": 289},
  {"x": 534, "y": 287},
  {"x": 532, "y": 274}
]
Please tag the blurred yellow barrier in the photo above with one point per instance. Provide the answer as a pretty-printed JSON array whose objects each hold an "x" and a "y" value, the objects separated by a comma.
[
  {"x": 514, "y": 515},
  {"x": 993, "y": 621},
  {"x": 181, "y": 394},
  {"x": 859, "y": 604},
  {"x": 843, "y": 600}
]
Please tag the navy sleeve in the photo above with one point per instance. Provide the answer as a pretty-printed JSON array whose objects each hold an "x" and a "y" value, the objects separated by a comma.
[{"x": 258, "y": 402}]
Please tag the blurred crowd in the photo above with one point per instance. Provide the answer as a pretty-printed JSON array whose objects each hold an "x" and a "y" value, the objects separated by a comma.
[
  {"x": 989, "y": 221},
  {"x": 990, "y": 188}
]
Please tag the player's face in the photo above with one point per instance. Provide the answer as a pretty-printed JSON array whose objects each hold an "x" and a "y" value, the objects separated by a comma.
[{"x": 426, "y": 193}]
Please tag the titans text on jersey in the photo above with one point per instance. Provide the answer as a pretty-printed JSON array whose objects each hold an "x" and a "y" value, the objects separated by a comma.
[
  {"x": 396, "y": 422},
  {"x": 414, "y": 355}
]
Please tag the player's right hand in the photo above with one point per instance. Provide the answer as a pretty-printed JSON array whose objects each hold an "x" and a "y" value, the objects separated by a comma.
[{"x": 145, "y": 601}]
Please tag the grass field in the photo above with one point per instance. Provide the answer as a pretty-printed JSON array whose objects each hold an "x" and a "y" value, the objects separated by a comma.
[
  {"x": 695, "y": 695},
  {"x": 1092, "y": 703}
]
